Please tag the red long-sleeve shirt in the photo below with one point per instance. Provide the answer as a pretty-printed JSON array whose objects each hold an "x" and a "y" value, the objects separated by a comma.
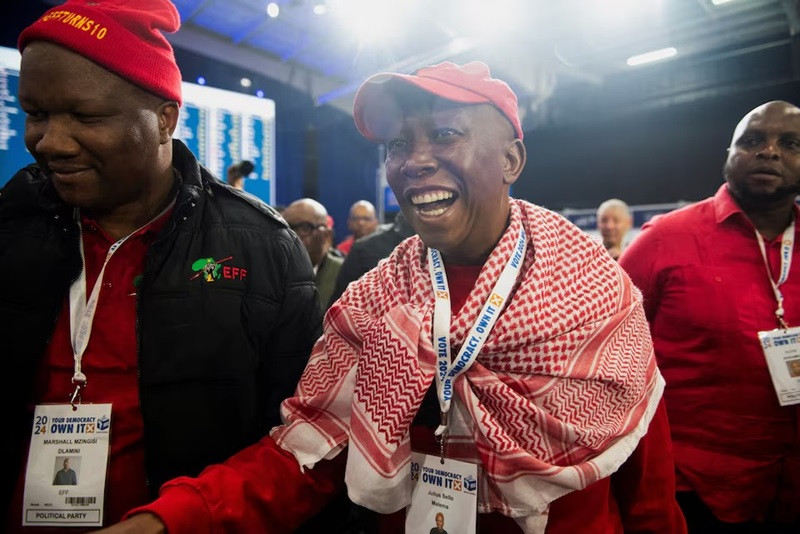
[{"x": 706, "y": 295}]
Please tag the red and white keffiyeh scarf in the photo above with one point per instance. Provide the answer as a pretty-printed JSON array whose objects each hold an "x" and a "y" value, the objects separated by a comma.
[{"x": 558, "y": 398}]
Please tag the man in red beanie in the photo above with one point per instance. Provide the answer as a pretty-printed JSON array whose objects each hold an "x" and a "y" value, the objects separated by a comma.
[
  {"x": 497, "y": 365},
  {"x": 153, "y": 317}
]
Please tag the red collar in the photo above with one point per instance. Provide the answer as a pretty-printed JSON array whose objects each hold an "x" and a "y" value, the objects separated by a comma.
[
  {"x": 725, "y": 205},
  {"x": 153, "y": 227}
]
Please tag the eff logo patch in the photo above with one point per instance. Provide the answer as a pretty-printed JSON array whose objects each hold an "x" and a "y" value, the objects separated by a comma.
[{"x": 212, "y": 270}]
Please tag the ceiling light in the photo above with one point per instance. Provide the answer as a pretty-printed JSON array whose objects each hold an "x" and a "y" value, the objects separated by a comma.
[
  {"x": 619, "y": 13},
  {"x": 719, "y": 2},
  {"x": 260, "y": 93},
  {"x": 273, "y": 9},
  {"x": 245, "y": 82},
  {"x": 320, "y": 9},
  {"x": 372, "y": 21},
  {"x": 655, "y": 55},
  {"x": 488, "y": 21}
]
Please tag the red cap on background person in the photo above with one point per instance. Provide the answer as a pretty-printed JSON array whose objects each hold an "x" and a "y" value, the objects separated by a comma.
[
  {"x": 470, "y": 84},
  {"x": 122, "y": 36}
]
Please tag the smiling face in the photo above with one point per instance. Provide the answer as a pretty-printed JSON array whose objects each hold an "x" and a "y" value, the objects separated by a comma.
[
  {"x": 763, "y": 165},
  {"x": 105, "y": 143},
  {"x": 450, "y": 167}
]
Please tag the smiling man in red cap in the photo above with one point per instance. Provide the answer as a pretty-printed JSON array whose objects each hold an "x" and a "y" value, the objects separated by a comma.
[
  {"x": 497, "y": 365},
  {"x": 173, "y": 312},
  {"x": 499, "y": 336}
]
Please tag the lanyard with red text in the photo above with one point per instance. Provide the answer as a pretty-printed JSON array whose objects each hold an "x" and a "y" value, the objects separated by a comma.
[
  {"x": 447, "y": 371},
  {"x": 787, "y": 244}
]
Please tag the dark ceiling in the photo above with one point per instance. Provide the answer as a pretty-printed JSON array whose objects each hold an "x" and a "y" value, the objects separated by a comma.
[{"x": 564, "y": 58}]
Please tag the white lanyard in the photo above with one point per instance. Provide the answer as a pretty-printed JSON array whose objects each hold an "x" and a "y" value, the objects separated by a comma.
[
  {"x": 81, "y": 310},
  {"x": 447, "y": 371},
  {"x": 787, "y": 244}
]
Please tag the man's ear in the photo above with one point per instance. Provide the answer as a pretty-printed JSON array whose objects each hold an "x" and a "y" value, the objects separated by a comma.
[
  {"x": 167, "y": 120},
  {"x": 514, "y": 162}
]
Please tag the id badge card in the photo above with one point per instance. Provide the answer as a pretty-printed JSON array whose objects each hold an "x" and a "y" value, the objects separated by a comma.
[
  {"x": 444, "y": 496},
  {"x": 66, "y": 475},
  {"x": 782, "y": 350}
]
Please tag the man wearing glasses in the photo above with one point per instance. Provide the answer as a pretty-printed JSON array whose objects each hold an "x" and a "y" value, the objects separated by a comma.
[{"x": 309, "y": 219}]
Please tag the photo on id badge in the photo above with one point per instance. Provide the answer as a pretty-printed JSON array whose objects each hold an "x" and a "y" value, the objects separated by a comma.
[
  {"x": 66, "y": 470},
  {"x": 439, "y": 527},
  {"x": 794, "y": 367}
]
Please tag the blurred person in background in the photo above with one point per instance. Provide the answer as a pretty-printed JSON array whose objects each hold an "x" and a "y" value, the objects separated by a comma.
[
  {"x": 368, "y": 251},
  {"x": 614, "y": 221},
  {"x": 238, "y": 172},
  {"x": 309, "y": 219},
  {"x": 361, "y": 222}
]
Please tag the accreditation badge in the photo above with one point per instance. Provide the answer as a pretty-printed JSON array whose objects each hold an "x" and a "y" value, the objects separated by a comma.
[
  {"x": 782, "y": 350},
  {"x": 66, "y": 476},
  {"x": 443, "y": 495}
]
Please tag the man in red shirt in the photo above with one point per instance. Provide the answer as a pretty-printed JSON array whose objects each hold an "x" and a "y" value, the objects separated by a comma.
[
  {"x": 714, "y": 275},
  {"x": 613, "y": 222},
  {"x": 361, "y": 221}
]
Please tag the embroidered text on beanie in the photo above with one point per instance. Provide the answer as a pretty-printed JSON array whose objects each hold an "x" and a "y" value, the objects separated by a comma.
[{"x": 123, "y": 36}]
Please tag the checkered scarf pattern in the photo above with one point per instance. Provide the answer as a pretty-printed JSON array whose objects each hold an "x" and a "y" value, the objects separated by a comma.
[{"x": 558, "y": 398}]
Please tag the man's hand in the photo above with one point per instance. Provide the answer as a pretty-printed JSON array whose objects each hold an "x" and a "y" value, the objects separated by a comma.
[{"x": 138, "y": 524}]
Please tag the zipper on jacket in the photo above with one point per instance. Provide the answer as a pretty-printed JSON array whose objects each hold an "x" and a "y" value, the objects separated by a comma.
[
  {"x": 147, "y": 269},
  {"x": 49, "y": 337}
]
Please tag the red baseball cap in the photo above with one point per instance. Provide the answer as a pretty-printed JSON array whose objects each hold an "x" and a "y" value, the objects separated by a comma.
[{"x": 470, "y": 84}]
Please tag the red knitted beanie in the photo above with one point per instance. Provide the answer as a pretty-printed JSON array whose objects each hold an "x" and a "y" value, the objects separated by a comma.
[{"x": 123, "y": 36}]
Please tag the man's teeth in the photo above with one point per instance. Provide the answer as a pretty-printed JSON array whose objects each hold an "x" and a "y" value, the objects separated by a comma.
[
  {"x": 437, "y": 211},
  {"x": 427, "y": 198}
]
